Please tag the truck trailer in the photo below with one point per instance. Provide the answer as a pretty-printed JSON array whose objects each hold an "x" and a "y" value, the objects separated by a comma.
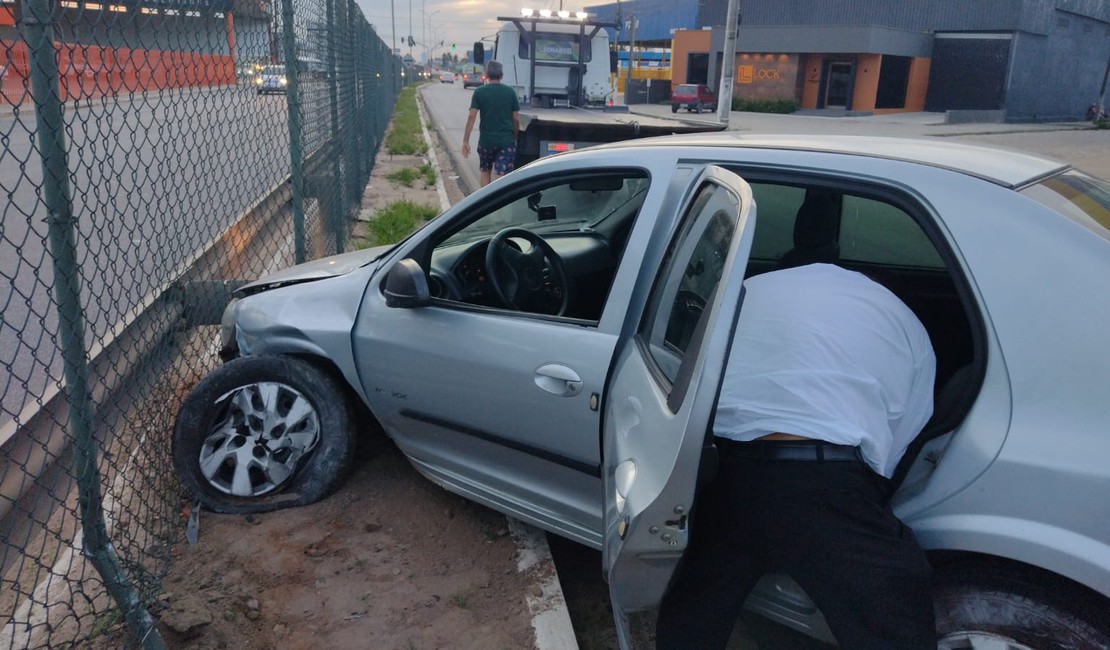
[{"x": 562, "y": 70}]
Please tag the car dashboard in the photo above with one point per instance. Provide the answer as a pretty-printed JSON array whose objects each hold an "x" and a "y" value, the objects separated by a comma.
[{"x": 458, "y": 272}]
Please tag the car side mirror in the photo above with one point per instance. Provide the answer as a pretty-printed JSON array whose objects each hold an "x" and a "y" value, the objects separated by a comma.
[{"x": 406, "y": 285}]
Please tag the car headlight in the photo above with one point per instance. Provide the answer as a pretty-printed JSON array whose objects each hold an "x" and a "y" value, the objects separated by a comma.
[
  {"x": 284, "y": 81},
  {"x": 229, "y": 347},
  {"x": 258, "y": 80}
]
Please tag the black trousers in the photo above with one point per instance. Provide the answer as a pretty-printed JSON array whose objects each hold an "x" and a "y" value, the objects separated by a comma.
[{"x": 829, "y": 525}]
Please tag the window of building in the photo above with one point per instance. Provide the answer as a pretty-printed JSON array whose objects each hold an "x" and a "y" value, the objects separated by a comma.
[{"x": 894, "y": 79}]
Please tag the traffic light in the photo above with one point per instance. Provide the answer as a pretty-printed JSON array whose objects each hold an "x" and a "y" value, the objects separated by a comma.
[{"x": 452, "y": 47}]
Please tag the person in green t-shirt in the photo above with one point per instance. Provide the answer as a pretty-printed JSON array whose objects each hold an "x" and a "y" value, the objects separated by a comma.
[{"x": 500, "y": 110}]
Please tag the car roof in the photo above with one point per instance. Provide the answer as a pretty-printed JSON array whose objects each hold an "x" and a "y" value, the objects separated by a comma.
[{"x": 1000, "y": 166}]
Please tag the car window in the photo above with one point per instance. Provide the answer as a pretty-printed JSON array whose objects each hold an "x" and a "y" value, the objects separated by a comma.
[
  {"x": 774, "y": 232},
  {"x": 684, "y": 90},
  {"x": 867, "y": 230},
  {"x": 879, "y": 233},
  {"x": 1079, "y": 197},
  {"x": 691, "y": 270}
]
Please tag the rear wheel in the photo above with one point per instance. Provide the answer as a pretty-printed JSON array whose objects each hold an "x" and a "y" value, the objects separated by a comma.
[
  {"x": 674, "y": 108},
  {"x": 989, "y": 606},
  {"x": 698, "y": 107},
  {"x": 263, "y": 433}
]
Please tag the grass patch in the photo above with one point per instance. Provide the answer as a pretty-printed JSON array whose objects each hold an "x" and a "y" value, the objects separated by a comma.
[
  {"x": 397, "y": 220},
  {"x": 429, "y": 174},
  {"x": 405, "y": 137},
  {"x": 753, "y": 105},
  {"x": 408, "y": 175},
  {"x": 405, "y": 176},
  {"x": 460, "y": 600}
]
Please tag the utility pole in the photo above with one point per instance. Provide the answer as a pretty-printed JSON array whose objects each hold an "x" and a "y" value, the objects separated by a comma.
[
  {"x": 1101, "y": 106},
  {"x": 632, "y": 23},
  {"x": 393, "y": 27},
  {"x": 728, "y": 63}
]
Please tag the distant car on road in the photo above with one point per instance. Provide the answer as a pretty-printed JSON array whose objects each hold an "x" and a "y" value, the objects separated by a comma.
[
  {"x": 695, "y": 97},
  {"x": 447, "y": 77},
  {"x": 271, "y": 79},
  {"x": 473, "y": 76},
  {"x": 552, "y": 347}
]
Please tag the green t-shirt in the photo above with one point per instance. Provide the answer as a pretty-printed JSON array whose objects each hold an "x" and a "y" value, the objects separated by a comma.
[{"x": 496, "y": 104}]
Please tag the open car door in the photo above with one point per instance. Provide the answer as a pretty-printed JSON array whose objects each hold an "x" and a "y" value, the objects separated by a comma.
[{"x": 663, "y": 389}]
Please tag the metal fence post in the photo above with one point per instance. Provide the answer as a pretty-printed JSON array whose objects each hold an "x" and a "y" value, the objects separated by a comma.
[
  {"x": 354, "y": 171},
  {"x": 292, "y": 98},
  {"x": 38, "y": 26},
  {"x": 335, "y": 143}
]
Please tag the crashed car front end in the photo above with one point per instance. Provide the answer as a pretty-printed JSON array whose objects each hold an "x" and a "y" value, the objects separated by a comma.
[{"x": 306, "y": 310}]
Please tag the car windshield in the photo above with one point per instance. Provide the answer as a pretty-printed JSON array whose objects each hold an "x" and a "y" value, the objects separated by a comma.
[
  {"x": 273, "y": 70},
  {"x": 1083, "y": 199},
  {"x": 578, "y": 205}
]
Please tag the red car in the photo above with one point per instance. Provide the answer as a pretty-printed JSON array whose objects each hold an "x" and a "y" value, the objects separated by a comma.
[{"x": 694, "y": 97}]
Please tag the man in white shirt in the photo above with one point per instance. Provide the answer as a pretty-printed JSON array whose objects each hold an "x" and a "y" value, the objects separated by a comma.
[{"x": 829, "y": 379}]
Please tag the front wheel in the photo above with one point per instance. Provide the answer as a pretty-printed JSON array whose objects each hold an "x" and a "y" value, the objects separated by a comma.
[
  {"x": 263, "y": 433},
  {"x": 987, "y": 606},
  {"x": 674, "y": 108}
]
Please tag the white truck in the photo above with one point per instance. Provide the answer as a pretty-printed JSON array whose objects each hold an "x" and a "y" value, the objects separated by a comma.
[
  {"x": 555, "y": 62},
  {"x": 561, "y": 70}
]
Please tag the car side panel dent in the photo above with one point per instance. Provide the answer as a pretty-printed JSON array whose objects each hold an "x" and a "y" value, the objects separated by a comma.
[{"x": 1079, "y": 558}]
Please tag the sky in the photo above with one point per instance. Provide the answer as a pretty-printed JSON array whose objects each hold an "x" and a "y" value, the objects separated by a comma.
[{"x": 460, "y": 21}]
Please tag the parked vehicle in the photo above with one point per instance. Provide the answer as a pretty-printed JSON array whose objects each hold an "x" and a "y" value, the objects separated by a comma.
[
  {"x": 695, "y": 97},
  {"x": 552, "y": 347}
]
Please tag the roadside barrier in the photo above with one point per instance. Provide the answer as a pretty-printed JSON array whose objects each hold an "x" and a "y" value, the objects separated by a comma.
[{"x": 155, "y": 155}]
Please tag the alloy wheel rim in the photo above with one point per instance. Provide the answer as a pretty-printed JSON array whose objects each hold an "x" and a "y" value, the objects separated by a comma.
[{"x": 264, "y": 431}]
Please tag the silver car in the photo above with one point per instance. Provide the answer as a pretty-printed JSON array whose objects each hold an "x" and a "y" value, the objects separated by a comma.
[{"x": 552, "y": 347}]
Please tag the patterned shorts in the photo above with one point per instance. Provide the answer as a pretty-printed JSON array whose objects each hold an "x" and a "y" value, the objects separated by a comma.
[{"x": 499, "y": 159}]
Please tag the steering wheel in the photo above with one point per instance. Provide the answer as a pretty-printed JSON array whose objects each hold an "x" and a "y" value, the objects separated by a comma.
[{"x": 533, "y": 281}]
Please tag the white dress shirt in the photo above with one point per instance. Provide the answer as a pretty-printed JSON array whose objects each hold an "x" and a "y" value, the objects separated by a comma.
[{"x": 827, "y": 353}]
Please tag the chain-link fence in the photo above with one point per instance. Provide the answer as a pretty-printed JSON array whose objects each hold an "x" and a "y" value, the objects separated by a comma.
[{"x": 155, "y": 152}]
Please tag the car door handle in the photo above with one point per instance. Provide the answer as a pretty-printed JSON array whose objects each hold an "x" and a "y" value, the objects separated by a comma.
[{"x": 558, "y": 380}]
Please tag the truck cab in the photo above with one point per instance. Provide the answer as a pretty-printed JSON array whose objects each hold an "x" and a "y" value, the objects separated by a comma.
[{"x": 555, "y": 62}]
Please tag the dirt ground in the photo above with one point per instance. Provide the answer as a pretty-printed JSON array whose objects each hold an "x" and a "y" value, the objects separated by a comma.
[{"x": 389, "y": 562}]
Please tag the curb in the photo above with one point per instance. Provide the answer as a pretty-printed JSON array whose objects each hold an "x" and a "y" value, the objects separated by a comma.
[{"x": 550, "y": 617}]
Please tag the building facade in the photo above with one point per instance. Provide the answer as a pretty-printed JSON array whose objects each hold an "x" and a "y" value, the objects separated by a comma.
[{"x": 1017, "y": 60}]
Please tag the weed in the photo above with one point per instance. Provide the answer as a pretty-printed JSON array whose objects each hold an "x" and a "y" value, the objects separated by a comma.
[
  {"x": 460, "y": 600},
  {"x": 398, "y": 219},
  {"x": 105, "y": 621},
  {"x": 405, "y": 176},
  {"x": 429, "y": 174},
  {"x": 405, "y": 137}
]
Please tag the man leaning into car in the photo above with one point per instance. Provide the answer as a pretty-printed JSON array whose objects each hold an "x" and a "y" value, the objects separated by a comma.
[{"x": 829, "y": 379}]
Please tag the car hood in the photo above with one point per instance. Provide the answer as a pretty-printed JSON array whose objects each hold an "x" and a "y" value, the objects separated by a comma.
[{"x": 321, "y": 269}]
